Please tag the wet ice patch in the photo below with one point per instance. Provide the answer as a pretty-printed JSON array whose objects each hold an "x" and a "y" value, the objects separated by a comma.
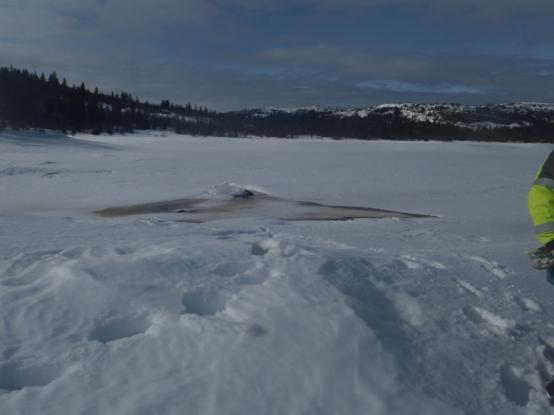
[{"x": 229, "y": 200}]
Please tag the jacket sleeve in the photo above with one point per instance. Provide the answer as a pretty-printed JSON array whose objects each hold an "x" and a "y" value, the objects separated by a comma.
[{"x": 541, "y": 202}]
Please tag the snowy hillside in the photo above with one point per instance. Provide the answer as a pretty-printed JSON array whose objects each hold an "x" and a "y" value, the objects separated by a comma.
[
  {"x": 494, "y": 116},
  {"x": 254, "y": 312}
]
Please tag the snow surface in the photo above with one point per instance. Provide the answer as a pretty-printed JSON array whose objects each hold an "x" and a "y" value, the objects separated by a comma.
[{"x": 149, "y": 315}]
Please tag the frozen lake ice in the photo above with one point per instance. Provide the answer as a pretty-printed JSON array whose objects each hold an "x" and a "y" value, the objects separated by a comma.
[{"x": 248, "y": 311}]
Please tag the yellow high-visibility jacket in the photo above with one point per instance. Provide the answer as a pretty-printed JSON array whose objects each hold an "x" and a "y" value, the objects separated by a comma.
[{"x": 541, "y": 202}]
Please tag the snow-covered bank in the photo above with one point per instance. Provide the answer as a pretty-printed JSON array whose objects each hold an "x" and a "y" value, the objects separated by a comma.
[{"x": 145, "y": 314}]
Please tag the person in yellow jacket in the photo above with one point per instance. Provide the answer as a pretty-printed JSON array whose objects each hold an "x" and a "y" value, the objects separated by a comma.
[{"x": 541, "y": 208}]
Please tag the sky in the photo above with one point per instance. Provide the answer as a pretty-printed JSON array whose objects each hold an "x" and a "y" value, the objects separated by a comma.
[{"x": 235, "y": 54}]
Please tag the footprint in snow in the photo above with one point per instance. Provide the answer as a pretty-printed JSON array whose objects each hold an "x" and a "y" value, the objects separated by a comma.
[
  {"x": 204, "y": 301},
  {"x": 496, "y": 324},
  {"x": 414, "y": 262},
  {"x": 25, "y": 269},
  {"x": 409, "y": 262},
  {"x": 264, "y": 247},
  {"x": 258, "y": 249},
  {"x": 22, "y": 262},
  {"x": 421, "y": 234},
  {"x": 20, "y": 281},
  {"x": 493, "y": 267},
  {"x": 224, "y": 235},
  {"x": 547, "y": 350},
  {"x": 15, "y": 376},
  {"x": 121, "y": 251},
  {"x": 119, "y": 328},
  {"x": 469, "y": 288},
  {"x": 476, "y": 238},
  {"x": 274, "y": 247},
  {"x": 254, "y": 276},
  {"x": 9, "y": 352},
  {"x": 526, "y": 304},
  {"x": 256, "y": 330},
  {"x": 515, "y": 388},
  {"x": 548, "y": 353},
  {"x": 230, "y": 269}
]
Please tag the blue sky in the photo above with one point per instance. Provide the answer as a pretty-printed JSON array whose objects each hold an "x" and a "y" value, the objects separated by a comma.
[{"x": 243, "y": 53}]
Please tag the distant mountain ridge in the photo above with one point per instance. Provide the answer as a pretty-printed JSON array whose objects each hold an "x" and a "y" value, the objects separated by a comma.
[
  {"x": 490, "y": 116},
  {"x": 519, "y": 121}
]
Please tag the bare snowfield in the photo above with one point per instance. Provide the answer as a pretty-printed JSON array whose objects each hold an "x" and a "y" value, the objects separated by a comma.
[{"x": 254, "y": 313}]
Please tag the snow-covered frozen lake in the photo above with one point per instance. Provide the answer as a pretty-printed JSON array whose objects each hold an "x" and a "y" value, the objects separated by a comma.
[{"x": 255, "y": 314}]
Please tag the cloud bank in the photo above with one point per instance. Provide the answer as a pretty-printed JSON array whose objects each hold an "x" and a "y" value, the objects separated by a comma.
[{"x": 245, "y": 53}]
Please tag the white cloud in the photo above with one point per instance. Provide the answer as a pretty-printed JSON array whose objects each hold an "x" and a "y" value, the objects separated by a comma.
[{"x": 429, "y": 88}]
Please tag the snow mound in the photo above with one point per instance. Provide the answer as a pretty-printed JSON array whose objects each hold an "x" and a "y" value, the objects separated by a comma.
[{"x": 228, "y": 190}]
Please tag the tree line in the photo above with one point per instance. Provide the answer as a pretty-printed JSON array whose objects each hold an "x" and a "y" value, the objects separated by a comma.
[{"x": 30, "y": 100}]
